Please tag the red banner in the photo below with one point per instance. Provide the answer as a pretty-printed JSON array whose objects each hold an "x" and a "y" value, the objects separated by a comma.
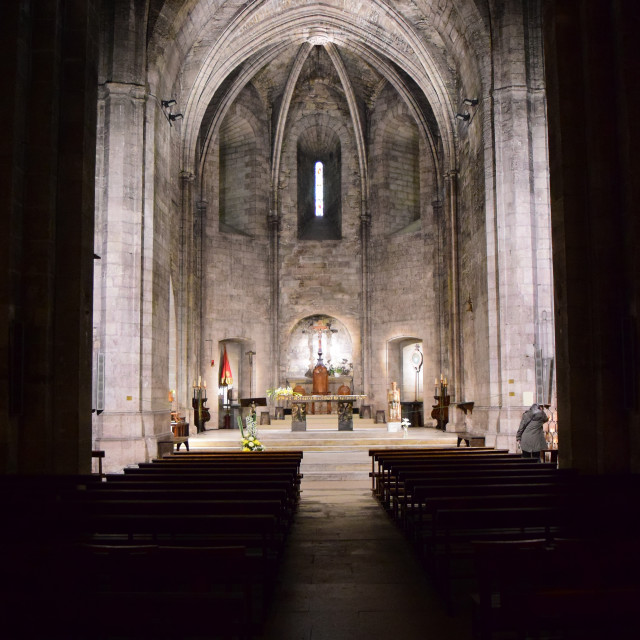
[{"x": 226, "y": 379}]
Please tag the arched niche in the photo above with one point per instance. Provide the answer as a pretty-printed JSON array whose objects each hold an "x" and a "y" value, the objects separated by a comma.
[
  {"x": 305, "y": 341},
  {"x": 241, "y": 354},
  {"x": 405, "y": 366}
]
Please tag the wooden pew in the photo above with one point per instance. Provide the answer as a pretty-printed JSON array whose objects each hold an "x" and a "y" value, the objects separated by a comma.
[
  {"x": 385, "y": 461},
  {"x": 563, "y": 588},
  {"x": 255, "y": 515},
  {"x": 158, "y": 592},
  {"x": 443, "y": 526},
  {"x": 420, "y": 511},
  {"x": 455, "y": 530},
  {"x": 157, "y": 482},
  {"x": 395, "y": 490},
  {"x": 378, "y": 456}
]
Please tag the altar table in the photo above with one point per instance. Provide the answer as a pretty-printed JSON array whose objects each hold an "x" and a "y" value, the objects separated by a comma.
[{"x": 345, "y": 410}]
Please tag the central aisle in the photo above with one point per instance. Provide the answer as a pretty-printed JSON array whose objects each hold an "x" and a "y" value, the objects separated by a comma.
[{"x": 349, "y": 574}]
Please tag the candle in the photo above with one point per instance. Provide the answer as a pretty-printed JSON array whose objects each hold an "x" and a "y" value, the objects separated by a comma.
[
  {"x": 205, "y": 384},
  {"x": 199, "y": 381}
]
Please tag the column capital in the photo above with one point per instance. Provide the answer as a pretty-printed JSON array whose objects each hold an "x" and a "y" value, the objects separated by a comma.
[
  {"x": 273, "y": 220},
  {"x": 123, "y": 89},
  {"x": 365, "y": 218}
]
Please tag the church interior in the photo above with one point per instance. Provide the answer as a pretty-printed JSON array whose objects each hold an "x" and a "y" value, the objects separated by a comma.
[{"x": 437, "y": 197}]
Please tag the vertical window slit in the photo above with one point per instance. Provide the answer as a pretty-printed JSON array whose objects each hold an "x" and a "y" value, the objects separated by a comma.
[{"x": 319, "y": 191}]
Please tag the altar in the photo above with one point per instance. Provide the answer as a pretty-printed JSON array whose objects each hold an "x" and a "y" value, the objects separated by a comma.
[{"x": 345, "y": 410}]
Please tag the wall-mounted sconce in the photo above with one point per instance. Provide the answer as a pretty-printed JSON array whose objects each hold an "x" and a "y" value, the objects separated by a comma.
[
  {"x": 469, "y": 304},
  {"x": 462, "y": 116},
  {"x": 470, "y": 102},
  {"x": 167, "y": 107}
]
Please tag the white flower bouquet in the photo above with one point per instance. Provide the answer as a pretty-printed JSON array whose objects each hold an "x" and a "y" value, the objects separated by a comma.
[{"x": 249, "y": 437}]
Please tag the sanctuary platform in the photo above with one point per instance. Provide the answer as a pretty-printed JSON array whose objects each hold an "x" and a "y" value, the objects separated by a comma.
[{"x": 329, "y": 455}]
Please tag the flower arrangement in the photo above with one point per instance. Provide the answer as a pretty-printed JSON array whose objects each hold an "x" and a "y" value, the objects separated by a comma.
[
  {"x": 342, "y": 369},
  {"x": 249, "y": 437},
  {"x": 281, "y": 391},
  {"x": 405, "y": 426}
]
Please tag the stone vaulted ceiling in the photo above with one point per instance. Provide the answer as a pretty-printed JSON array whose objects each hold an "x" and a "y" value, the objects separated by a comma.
[{"x": 205, "y": 52}]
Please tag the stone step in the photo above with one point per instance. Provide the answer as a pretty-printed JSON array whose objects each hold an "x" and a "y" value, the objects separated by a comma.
[
  {"x": 325, "y": 465},
  {"x": 335, "y": 457}
]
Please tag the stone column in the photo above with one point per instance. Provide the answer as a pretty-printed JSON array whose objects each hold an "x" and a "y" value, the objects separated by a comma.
[
  {"x": 199, "y": 225},
  {"x": 47, "y": 163},
  {"x": 592, "y": 64},
  {"x": 274, "y": 256},
  {"x": 440, "y": 357},
  {"x": 188, "y": 314},
  {"x": 456, "y": 370},
  {"x": 365, "y": 323},
  {"x": 518, "y": 227},
  {"x": 120, "y": 290}
]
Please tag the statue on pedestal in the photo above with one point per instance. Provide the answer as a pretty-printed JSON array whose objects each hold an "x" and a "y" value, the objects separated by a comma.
[{"x": 393, "y": 399}]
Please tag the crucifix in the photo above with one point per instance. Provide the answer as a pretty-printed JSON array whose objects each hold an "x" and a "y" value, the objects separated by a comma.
[{"x": 320, "y": 327}]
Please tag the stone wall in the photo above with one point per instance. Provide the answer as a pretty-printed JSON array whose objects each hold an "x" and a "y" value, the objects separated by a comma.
[
  {"x": 236, "y": 261},
  {"x": 403, "y": 251},
  {"x": 320, "y": 276}
]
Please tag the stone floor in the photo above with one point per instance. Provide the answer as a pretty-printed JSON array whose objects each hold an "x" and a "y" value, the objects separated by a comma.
[{"x": 349, "y": 574}]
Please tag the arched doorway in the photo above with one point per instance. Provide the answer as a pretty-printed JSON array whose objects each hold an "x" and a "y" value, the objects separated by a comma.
[
  {"x": 242, "y": 365},
  {"x": 405, "y": 367}
]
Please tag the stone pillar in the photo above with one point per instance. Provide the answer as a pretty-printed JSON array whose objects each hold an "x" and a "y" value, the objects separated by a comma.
[
  {"x": 47, "y": 163},
  {"x": 199, "y": 225},
  {"x": 184, "y": 299},
  {"x": 440, "y": 356},
  {"x": 456, "y": 369},
  {"x": 515, "y": 228},
  {"x": 365, "y": 323},
  {"x": 518, "y": 229},
  {"x": 274, "y": 256},
  {"x": 120, "y": 290},
  {"x": 592, "y": 64}
]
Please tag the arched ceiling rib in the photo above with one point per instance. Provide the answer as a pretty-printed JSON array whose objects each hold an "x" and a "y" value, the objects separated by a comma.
[
  {"x": 282, "y": 117},
  {"x": 183, "y": 33},
  {"x": 229, "y": 91},
  {"x": 355, "y": 117},
  {"x": 196, "y": 47},
  {"x": 299, "y": 25}
]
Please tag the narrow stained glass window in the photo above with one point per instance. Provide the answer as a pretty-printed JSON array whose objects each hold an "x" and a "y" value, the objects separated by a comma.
[{"x": 319, "y": 190}]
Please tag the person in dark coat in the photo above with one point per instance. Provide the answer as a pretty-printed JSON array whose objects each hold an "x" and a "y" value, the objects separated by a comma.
[{"x": 530, "y": 434}]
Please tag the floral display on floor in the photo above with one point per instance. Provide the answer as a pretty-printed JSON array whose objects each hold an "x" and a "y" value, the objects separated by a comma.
[{"x": 249, "y": 435}]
